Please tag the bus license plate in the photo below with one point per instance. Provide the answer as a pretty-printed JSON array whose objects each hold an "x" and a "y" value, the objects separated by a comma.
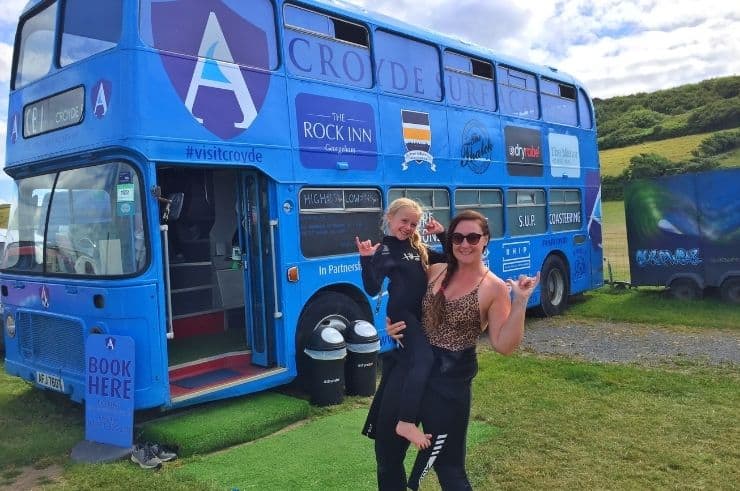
[{"x": 50, "y": 381}]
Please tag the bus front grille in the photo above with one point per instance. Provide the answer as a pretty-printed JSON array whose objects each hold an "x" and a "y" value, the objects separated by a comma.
[{"x": 54, "y": 341}]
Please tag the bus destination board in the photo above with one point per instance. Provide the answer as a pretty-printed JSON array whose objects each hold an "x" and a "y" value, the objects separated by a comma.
[{"x": 53, "y": 113}]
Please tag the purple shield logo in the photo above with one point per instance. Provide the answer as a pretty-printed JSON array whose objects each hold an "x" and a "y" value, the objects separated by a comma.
[
  {"x": 100, "y": 98},
  {"x": 212, "y": 82}
]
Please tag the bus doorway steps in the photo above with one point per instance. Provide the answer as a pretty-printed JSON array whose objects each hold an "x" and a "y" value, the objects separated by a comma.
[{"x": 214, "y": 373}]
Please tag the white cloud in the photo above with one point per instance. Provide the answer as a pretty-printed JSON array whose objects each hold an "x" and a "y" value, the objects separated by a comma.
[
  {"x": 6, "y": 59},
  {"x": 10, "y": 10}
]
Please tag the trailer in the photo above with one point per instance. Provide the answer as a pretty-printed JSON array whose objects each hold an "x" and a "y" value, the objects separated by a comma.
[{"x": 683, "y": 233}]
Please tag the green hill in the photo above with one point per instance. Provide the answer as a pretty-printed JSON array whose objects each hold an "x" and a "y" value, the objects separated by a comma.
[{"x": 691, "y": 109}]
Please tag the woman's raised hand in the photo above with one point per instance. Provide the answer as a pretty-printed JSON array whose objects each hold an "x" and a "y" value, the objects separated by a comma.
[
  {"x": 366, "y": 247},
  {"x": 524, "y": 285}
]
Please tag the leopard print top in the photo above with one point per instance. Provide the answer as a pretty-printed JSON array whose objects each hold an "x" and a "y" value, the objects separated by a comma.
[{"x": 461, "y": 327}]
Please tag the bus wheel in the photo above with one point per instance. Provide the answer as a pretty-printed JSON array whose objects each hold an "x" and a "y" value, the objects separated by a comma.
[
  {"x": 554, "y": 287},
  {"x": 325, "y": 305},
  {"x": 685, "y": 289},
  {"x": 730, "y": 290}
]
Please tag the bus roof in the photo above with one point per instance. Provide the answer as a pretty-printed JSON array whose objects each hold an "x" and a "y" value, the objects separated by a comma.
[{"x": 354, "y": 12}]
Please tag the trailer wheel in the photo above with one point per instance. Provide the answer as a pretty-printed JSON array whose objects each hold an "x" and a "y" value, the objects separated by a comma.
[
  {"x": 324, "y": 305},
  {"x": 554, "y": 287},
  {"x": 730, "y": 290},
  {"x": 685, "y": 289}
]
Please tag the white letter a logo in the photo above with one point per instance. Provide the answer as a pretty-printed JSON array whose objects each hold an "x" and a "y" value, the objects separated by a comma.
[
  {"x": 101, "y": 104},
  {"x": 225, "y": 75}
]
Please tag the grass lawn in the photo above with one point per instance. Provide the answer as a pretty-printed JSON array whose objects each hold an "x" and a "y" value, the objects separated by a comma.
[
  {"x": 614, "y": 239},
  {"x": 655, "y": 306},
  {"x": 538, "y": 423},
  {"x": 570, "y": 425}
]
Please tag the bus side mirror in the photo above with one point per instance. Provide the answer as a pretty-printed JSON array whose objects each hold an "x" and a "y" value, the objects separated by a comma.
[{"x": 175, "y": 204}]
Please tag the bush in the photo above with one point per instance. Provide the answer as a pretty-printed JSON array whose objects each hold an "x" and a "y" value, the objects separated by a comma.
[
  {"x": 612, "y": 188},
  {"x": 648, "y": 165},
  {"x": 715, "y": 116},
  {"x": 718, "y": 143}
]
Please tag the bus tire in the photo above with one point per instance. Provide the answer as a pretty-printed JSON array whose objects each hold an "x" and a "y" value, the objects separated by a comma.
[
  {"x": 730, "y": 290},
  {"x": 324, "y": 305},
  {"x": 554, "y": 287},
  {"x": 685, "y": 289}
]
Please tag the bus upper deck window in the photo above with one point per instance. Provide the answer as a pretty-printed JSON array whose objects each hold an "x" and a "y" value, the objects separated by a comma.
[
  {"x": 558, "y": 102},
  {"x": 324, "y": 47},
  {"x": 36, "y": 47},
  {"x": 469, "y": 82},
  {"x": 517, "y": 93},
  {"x": 90, "y": 26}
]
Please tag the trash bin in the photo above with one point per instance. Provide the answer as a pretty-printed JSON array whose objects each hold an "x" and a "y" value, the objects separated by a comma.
[
  {"x": 326, "y": 351},
  {"x": 363, "y": 346}
]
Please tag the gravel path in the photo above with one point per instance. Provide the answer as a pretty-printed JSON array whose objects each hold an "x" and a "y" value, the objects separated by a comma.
[{"x": 629, "y": 343}]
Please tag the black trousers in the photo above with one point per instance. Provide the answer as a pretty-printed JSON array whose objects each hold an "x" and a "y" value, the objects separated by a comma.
[
  {"x": 444, "y": 413},
  {"x": 447, "y": 421}
]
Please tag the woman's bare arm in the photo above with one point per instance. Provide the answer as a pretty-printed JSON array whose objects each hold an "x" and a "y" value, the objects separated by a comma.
[{"x": 506, "y": 315}]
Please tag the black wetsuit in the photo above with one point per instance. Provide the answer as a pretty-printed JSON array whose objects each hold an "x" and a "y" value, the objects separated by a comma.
[{"x": 400, "y": 263}]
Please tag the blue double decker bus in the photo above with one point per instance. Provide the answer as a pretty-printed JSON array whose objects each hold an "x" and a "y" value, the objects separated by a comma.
[{"x": 193, "y": 173}]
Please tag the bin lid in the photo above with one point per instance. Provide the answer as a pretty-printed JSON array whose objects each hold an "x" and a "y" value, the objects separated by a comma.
[
  {"x": 361, "y": 331},
  {"x": 326, "y": 338}
]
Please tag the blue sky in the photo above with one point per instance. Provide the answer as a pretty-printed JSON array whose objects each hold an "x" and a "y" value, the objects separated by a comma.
[{"x": 615, "y": 47}]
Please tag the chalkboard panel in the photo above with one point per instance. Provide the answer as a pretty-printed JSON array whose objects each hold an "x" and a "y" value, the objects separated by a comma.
[
  {"x": 362, "y": 198},
  {"x": 317, "y": 199},
  {"x": 330, "y": 234},
  {"x": 321, "y": 199}
]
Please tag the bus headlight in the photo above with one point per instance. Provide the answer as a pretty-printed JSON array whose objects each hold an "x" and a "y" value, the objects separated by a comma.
[{"x": 10, "y": 326}]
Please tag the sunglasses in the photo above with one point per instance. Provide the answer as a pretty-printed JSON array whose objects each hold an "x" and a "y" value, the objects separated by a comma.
[{"x": 472, "y": 238}]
